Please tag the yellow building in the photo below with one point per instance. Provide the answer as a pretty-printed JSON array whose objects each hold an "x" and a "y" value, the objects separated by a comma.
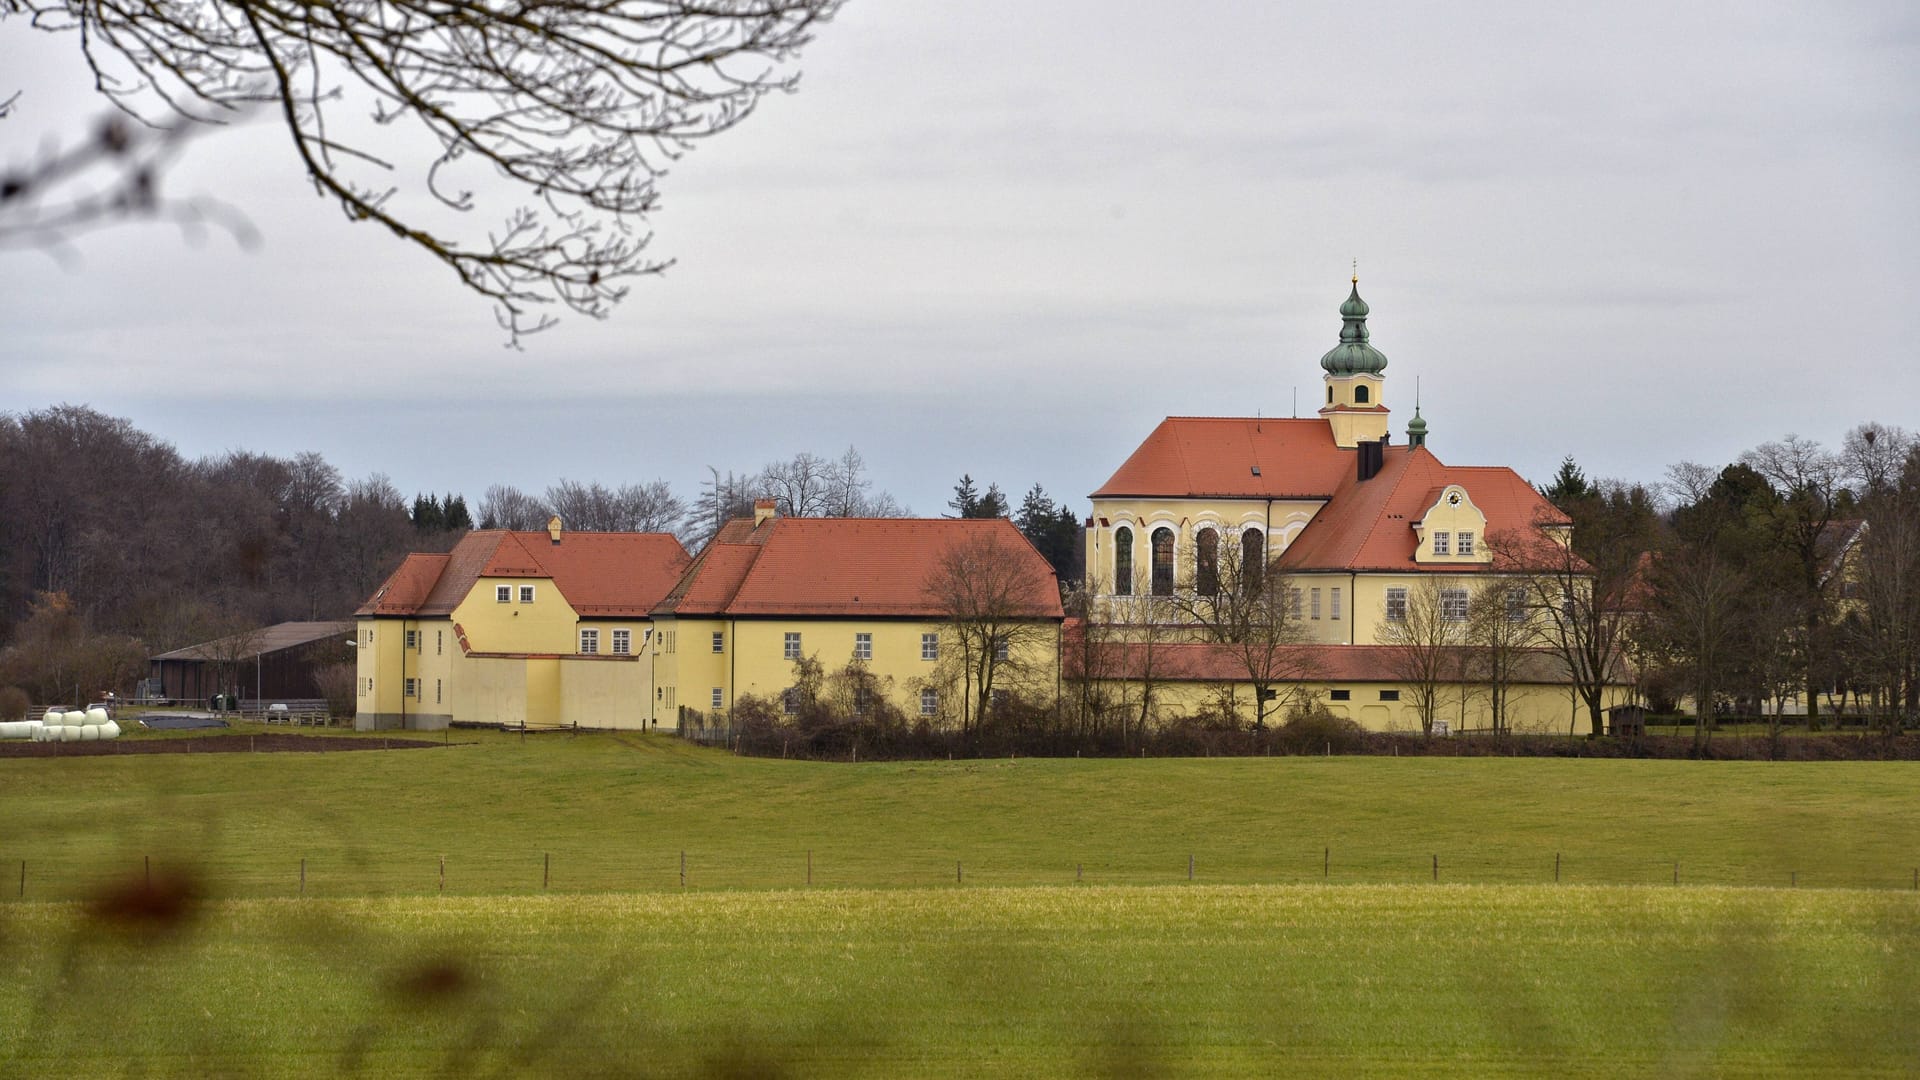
[
  {"x": 870, "y": 601},
  {"x": 535, "y": 628},
  {"x": 1360, "y": 528}
]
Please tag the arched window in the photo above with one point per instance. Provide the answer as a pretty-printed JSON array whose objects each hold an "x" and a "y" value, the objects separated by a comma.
[
  {"x": 1253, "y": 559},
  {"x": 1329, "y": 395},
  {"x": 1206, "y": 562},
  {"x": 1360, "y": 394},
  {"x": 1163, "y": 561},
  {"x": 1123, "y": 561}
]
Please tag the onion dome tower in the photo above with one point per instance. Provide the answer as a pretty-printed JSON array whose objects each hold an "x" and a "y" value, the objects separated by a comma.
[{"x": 1354, "y": 378}]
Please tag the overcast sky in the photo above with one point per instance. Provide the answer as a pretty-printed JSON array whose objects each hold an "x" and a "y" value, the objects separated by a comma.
[{"x": 1006, "y": 238}]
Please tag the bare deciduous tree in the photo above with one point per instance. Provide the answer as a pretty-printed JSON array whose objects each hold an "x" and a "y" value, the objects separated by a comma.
[
  {"x": 997, "y": 596},
  {"x": 1426, "y": 644},
  {"x": 1248, "y": 606},
  {"x": 409, "y": 116},
  {"x": 1578, "y": 609}
]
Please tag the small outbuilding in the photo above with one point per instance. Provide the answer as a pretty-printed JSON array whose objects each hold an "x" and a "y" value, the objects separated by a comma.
[
  {"x": 1627, "y": 720},
  {"x": 273, "y": 663}
]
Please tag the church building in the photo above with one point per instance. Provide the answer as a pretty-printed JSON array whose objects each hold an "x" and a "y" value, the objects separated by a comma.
[{"x": 1361, "y": 528}]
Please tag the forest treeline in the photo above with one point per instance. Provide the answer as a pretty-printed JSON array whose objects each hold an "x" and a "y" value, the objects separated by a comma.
[{"x": 114, "y": 547}]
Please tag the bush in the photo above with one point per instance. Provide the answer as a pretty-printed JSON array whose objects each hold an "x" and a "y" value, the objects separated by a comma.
[
  {"x": 14, "y": 703},
  {"x": 1317, "y": 731}
]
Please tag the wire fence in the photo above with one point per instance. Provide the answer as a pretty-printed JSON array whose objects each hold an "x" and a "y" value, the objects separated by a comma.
[{"x": 349, "y": 874}]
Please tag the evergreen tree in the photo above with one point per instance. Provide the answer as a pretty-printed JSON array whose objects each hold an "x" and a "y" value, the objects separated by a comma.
[
  {"x": 1569, "y": 485},
  {"x": 427, "y": 514},
  {"x": 454, "y": 507},
  {"x": 966, "y": 499},
  {"x": 991, "y": 505}
]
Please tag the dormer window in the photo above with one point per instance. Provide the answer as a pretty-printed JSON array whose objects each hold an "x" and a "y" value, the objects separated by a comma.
[
  {"x": 1464, "y": 543},
  {"x": 1440, "y": 543}
]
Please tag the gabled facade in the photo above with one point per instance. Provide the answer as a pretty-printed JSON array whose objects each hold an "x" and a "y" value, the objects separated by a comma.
[
  {"x": 1355, "y": 521},
  {"x": 536, "y": 628},
  {"x": 859, "y": 597}
]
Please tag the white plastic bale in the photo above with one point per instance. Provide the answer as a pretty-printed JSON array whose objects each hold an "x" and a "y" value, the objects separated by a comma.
[
  {"x": 89, "y": 732},
  {"x": 110, "y": 730},
  {"x": 54, "y": 717},
  {"x": 96, "y": 715},
  {"x": 73, "y": 717},
  {"x": 18, "y": 729}
]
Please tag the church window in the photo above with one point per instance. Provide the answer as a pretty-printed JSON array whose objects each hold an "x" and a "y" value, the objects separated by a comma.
[
  {"x": 1123, "y": 561},
  {"x": 1293, "y": 603},
  {"x": 1336, "y": 605},
  {"x": 1397, "y": 603},
  {"x": 1440, "y": 543},
  {"x": 1207, "y": 562},
  {"x": 1360, "y": 394},
  {"x": 1253, "y": 559},
  {"x": 1163, "y": 561},
  {"x": 1329, "y": 395},
  {"x": 1315, "y": 600}
]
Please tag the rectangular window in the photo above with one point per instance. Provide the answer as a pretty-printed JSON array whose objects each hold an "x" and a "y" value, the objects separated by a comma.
[
  {"x": 670, "y": 641},
  {"x": 622, "y": 642},
  {"x": 439, "y": 641},
  {"x": 790, "y": 646},
  {"x": 503, "y": 594},
  {"x": 1516, "y": 605},
  {"x": 589, "y": 642},
  {"x": 1316, "y": 603},
  {"x": 436, "y": 691},
  {"x": 1464, "y": 543},
  {"x": 862, "y": 700},
  {"x": 929, "y": 646},
  {"x": 719, "y": 641},
  {"x": 1336, "y": 605},
  {"x": 1000, "y": 649},
  {"x": 1440, "y": 543},
  {"x": 1453, "y": 605},
  {"x": 369, "y": 637},
  {"x": 929, "y": 702},
  {"x": 789, "y": 701},
  {"x": 1397, "y": 604},
  {"x": 1295, "y": 602},
  {"x": 1389, "y": 695},
  {"x": 1340, "y": 695},
  {"x": 526, "y": 594},
  {"x": 412, "y": 689},
  {"x": 863, "y": 646},
  {"x": 367, "y": 689},
  {"x": 413, "y": 640},
  {"x": 718, "y": 697}
]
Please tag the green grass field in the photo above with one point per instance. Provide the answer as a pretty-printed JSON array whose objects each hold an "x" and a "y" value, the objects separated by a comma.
[{"x": 1073, "y": 945}]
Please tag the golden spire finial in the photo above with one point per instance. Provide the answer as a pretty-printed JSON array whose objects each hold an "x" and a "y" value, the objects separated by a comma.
[{"x": 1356, "y": 271}]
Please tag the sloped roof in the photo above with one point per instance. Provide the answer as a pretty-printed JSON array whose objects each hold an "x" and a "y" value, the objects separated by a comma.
[
  {"x": 1200, "y": 456},
  {"x": 599, "y": 574},
  {"x": 1368, "y": 525},
  {"x": 267, "y": 639},
  {"x": 845, "y": 567}
]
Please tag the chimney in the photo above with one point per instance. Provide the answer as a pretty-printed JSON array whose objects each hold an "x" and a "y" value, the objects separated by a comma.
[
  {"x": 553, "y": 528},
  {"x": 762, "y": 511},
  {"x": 1372, "y": 455}
]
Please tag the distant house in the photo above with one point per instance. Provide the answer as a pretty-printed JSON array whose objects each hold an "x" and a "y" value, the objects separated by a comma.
[
  {"x": 536, "y": 628},
  {"x": 273, "y": 663}
]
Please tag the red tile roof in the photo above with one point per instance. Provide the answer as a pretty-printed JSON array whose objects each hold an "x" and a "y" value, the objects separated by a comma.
[
  {"x": 1368, "y": 525},
  {"x": 1196, "y": 456},
  {"x": 599, "y": 574},
  {"x": 843, "y": 567}
]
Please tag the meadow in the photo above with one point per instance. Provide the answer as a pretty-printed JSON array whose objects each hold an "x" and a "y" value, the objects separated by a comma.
[{"x": 1029, "y": 917}]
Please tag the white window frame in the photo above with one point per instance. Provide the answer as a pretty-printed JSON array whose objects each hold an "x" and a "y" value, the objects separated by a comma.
[
  {"x": 719, "y": 698},
  {"x": 719, "y": 641},
  {"x": 1442, "y": 543},
  {"x": 1000, "y": 649},
  {"x": 790, "y": 645},
  {"x": 526, "y": 594},
  {"x": 1397, "y": 603},
  {"x": 862, "y": 646},
  {"x": 1296, "y": 602},
  {"x": 862, "y": 701},
  {"x": 1335, "y": 600},
  {"x": 589, "y": 641},
  {"x": 1454, "y": 604},
  {"x": 929, "y": 648},
  {"x": 929, "y": 701},
  {"x": 1463, "y": 544},
  {"x": 412, "y": 640},
  {"x": 789, "y": 701},
  {"x": 411, "y": 688},
  {"x": 622, "y": 642},
  {"x": 503, "y": 594},
  {"x": 1315, "y": 600},
  {"x": 1516, "y": 604}
]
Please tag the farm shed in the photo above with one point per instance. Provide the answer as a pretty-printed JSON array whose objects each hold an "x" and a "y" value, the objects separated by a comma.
[{"x": 273, "y": 663}]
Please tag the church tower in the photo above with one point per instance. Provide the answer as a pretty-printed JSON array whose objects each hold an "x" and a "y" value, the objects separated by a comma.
[{"x": 1354, "y": 381}]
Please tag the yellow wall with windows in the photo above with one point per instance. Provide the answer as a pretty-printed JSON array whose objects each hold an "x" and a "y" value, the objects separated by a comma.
[
  {"x": 547, "y": 625},
  {"x": 1281, "y": 521},
  {"x": 1532, "y": 708},
  {"x": 754, "y": 660}
]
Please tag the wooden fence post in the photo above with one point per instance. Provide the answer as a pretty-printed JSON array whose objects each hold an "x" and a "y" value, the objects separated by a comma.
[
  {"x": 1189, "y": 866},
  {"x": 683, "y": 869},
  {"x": 957, "y": 876},
  {"x": 1436, "y": 868},
  {"x": 1556, "y": 868},
  {"x": 809, "y": 866},
  {"x": 303, "y": 877},
  {"x": 443, "y": 873},
  {"x": 1326, "y": 863},
  {"x": 23, "y": 878},
  {"x": 546, "y": 870}
]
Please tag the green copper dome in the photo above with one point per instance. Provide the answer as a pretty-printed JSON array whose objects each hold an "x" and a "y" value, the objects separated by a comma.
[
  {"x": 1418, "y": 426},
  {"x": 1353, "y": 356}
]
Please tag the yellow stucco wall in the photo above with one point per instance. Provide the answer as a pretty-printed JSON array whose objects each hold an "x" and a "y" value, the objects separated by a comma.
[
  {"x": 1281, "y": 521},
  {"x": 1532, "y": 708},
  {"x": 544, "y": 626},
  {"x": 753, "y": 660}
]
